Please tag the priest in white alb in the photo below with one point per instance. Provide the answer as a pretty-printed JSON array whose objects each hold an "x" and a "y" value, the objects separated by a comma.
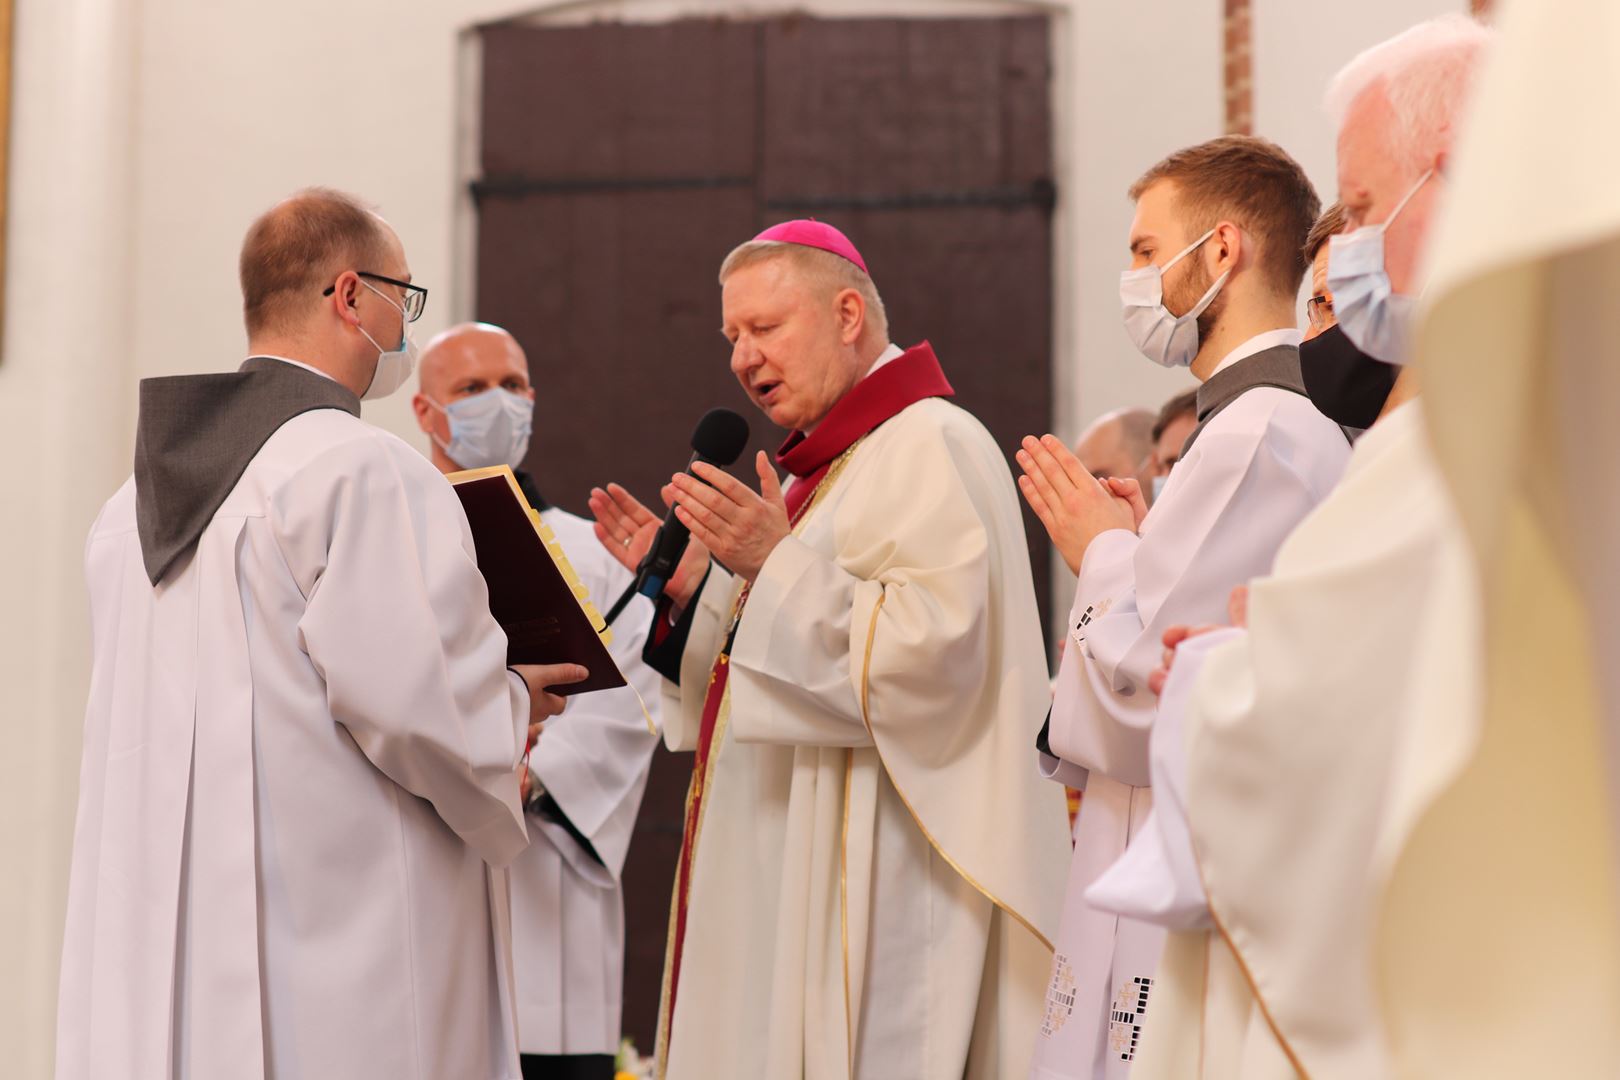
[
  {"x": 1217, "y": 261},
  {"x": 302, "y": 745},
  {"x": 477, "y": 406},
  {"x": 869, "y": 881}
]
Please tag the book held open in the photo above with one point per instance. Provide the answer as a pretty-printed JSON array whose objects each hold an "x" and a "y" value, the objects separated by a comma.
[{"x": 534, "y": 592}]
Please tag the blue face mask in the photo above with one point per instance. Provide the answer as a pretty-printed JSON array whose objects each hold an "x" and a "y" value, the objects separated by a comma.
[
  {"x": 1375, "y": 318},
  {"x": 394, "y": 366},
  {"x": 487, "y": 429}
]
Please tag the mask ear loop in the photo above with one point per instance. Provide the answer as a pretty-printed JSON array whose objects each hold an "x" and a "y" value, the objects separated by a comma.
[
  {"x": 404, "y": 320},
  {"x": 1188, "y": 250},
  {"x": 1417, "y": 187},
  {"x": 440, "y": 443}
]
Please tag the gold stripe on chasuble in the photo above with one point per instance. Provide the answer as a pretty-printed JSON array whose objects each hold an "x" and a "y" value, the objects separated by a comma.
[{"x": 961, "y": 871}]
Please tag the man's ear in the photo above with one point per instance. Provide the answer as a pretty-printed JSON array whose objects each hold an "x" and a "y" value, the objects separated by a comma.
[
  {"x": 423, "y": 411},
  {"x": 851, "y": 310},
  {"x": 1227, "y": 248},
  {"x": 345, "y": 293}
]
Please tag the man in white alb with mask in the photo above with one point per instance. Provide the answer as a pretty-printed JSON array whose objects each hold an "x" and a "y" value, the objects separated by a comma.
[
  {"x": 302, "y": 744},
  {"x": 1216, "y": 270},
  {"x": 589, "y": 771}
]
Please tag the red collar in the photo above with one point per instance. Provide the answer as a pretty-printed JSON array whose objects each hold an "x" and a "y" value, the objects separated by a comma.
[{"x": 913, "y": 376}]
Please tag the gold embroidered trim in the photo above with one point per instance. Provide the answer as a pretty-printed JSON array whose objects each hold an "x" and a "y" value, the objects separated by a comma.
[
  {"x": 1254, "y": 988},
  {"x": 866, "y": 718},
  {"x": 843, "y": 906},
  {"x": 836, "y": 469},
  {"x": 1248, "y": 976},
  {"x": 1203, "y": 1002},
  {"x": 661, "y": 1043},
  {"x": 702, "y": 784}
]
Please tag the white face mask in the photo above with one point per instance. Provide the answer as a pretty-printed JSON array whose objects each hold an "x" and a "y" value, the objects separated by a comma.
[
  {"x": 1164, "y": 338},
  {"x": 394, "y": 366},
  {"x": 487, "y": 429},
  {"x": 1375, "y": 318}
]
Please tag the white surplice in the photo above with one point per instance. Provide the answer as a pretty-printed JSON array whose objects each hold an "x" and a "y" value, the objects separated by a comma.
[
  {"x": 568, "y": 908},
  {"x": 1510, "y": 885},
  {"x": 875, "y": 880},
  {"x": 1254, "y": 472},
  {"x": 1311, "y": 743},
  {"x": 299, "y": 762}
]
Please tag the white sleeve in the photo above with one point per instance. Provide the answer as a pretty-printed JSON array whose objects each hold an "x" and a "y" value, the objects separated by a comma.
[
  {"x": 1219, "y": 525},
  {"x": 914, "y": 560},
  {"x": 1156, "y": 879},
  {"x": 593, "y": 759},
  {"x": 397, "y": 623},
  {"x": 1066, "y": 773}
]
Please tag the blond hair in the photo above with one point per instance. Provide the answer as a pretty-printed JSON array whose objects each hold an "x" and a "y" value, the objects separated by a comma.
[{"x": 827, "y": 273}]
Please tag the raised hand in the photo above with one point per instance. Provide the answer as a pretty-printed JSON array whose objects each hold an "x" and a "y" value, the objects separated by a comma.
[
  {"x": 627, "y": 529},
  {"x": 623, "y": 525},
  {"x": 741, "y": 527}
]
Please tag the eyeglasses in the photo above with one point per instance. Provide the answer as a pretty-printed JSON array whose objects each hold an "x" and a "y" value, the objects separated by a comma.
[
  {"x": 1319, "y": 310},
  {"x": 415, "y": 301}
]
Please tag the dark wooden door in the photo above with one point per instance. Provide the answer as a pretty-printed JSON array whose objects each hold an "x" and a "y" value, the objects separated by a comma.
[{"x": 621, "y": 162}]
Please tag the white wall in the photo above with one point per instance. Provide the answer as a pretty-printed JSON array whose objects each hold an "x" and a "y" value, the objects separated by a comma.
[
  {"x": 63, "y": 387},
  {"x": 148, "y": 133}
]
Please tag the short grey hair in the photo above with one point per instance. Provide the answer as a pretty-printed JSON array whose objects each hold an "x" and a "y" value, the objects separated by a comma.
[
  {"x": 1426, "y": 71},
  {"x": 832, "y": 273}
]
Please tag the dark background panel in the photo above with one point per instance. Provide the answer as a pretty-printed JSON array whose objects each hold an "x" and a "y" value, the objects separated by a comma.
[
  {"x": 610, "y": 101},
  {"x": 614, "y": 297},
  {"x": 891, "y": 107}
]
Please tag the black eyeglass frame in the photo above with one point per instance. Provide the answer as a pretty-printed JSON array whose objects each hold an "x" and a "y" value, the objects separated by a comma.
[
  {"x": 1318, "y": 309},
  {"x": 415, "y": 295}
]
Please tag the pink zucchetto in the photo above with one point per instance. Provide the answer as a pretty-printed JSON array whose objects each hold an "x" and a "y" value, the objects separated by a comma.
[{"x": 816, "y": 234}]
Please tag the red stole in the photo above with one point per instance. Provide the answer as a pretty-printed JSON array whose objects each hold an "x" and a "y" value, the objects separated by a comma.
[{"x": 913, "y": 376}]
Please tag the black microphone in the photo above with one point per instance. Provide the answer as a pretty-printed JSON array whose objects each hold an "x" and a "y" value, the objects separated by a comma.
[{"x": 719, "y": 439}]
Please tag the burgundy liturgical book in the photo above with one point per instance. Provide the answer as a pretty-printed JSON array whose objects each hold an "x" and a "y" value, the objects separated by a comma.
[{"x": 534, "y": 592}]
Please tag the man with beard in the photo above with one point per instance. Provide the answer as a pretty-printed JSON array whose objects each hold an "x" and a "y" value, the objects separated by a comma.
[{"x": 1216, "y": 266}]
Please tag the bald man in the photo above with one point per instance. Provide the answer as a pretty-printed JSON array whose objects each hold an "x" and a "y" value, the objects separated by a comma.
[
  {"x": 1119, "y": 444},
  {"x": 1173, "y": 426},
  {"x": 476, "y": 405},
  {"x": 302, "y": 744}
]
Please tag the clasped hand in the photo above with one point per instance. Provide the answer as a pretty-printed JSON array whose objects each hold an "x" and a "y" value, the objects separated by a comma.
[{"x": 1074, "y": 506}]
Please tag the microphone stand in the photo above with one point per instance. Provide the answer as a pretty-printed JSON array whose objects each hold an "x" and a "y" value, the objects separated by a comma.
[
  {"x": 640, "y": 583},
  {"x": 623, "y": 601}
]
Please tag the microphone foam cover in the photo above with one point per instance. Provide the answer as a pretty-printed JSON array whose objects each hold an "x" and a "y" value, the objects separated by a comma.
[{"x": 721, "y": 436}]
